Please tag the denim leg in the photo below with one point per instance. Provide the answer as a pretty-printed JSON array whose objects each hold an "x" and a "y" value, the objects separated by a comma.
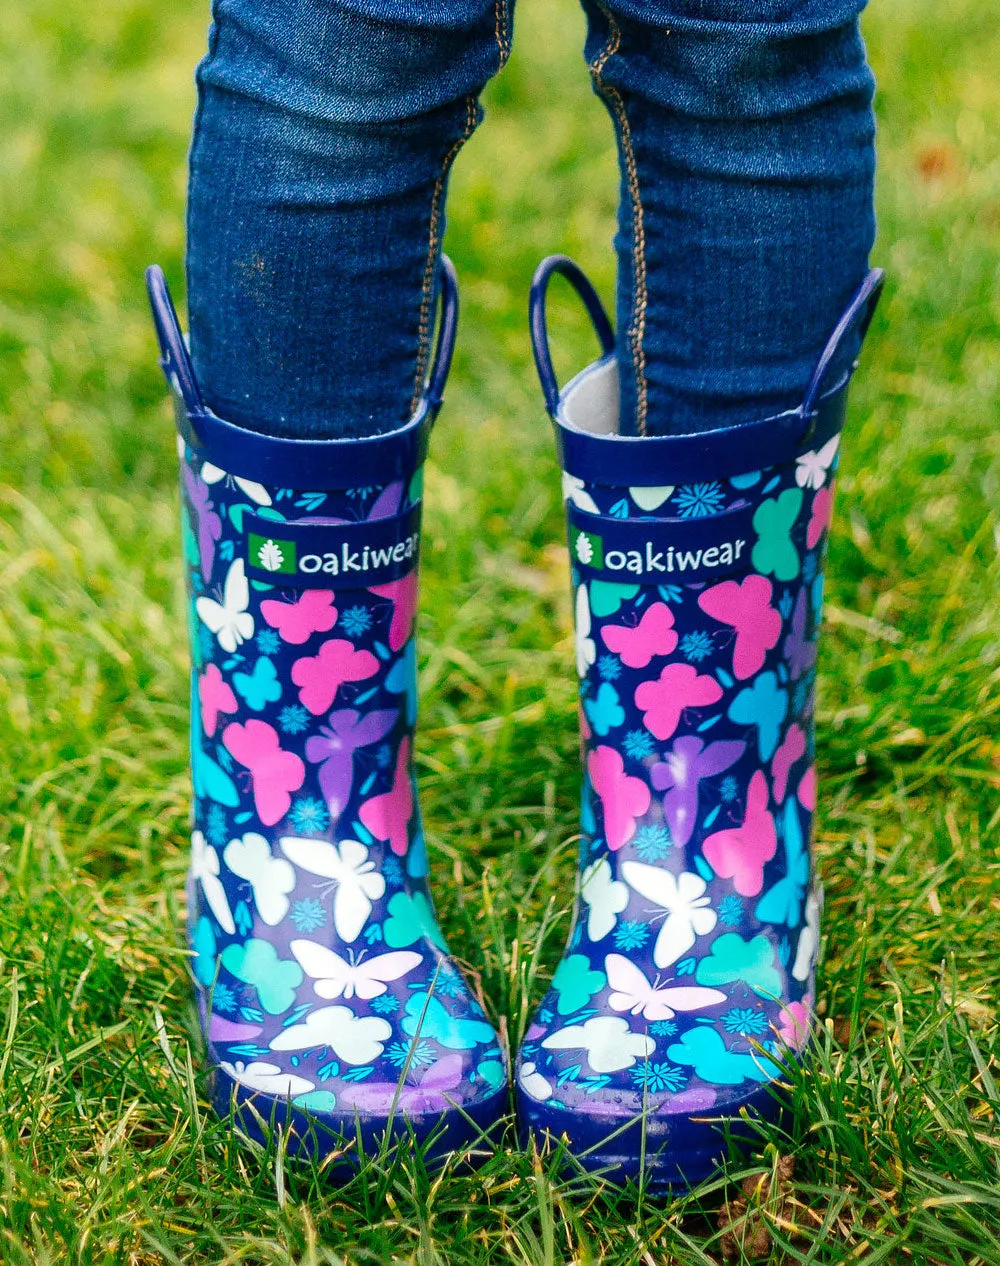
[
  {"x": 746, "y": 137},
  {"x": 323, "y": 139}
]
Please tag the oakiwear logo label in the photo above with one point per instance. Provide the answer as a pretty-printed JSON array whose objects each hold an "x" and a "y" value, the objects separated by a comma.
[
  {"x": 651, "y": 550},
  {"x": 317, "y": 553}
]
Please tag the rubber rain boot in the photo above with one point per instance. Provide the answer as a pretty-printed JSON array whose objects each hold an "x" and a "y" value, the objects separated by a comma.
[
  {"x": 329, "y": 1003},
  {"x": 697, "y": 569}
]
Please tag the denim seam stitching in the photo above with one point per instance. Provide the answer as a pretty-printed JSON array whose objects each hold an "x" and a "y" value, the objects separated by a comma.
[
  {"x": 427, "y": 288},
  {"x": 637, "y": 324}
]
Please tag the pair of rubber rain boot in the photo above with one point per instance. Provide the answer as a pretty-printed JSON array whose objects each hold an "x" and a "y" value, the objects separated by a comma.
[{"x": 330, "y": 1006}]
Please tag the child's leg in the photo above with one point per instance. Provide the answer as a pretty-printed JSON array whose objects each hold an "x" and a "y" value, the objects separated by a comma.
[
  {"x": 747, "y": 144},
  {"x": 323, "y": 140}
]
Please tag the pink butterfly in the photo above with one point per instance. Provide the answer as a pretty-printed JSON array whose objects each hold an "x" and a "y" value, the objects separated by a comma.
[
  {"x": 793, "y": 748},
  {"x": 388, "y": 816},
  {"x": 739, "y": 853},
  {"x": 334, "y": 747},
  {"x": 807, "y": 789},
  {"x": 819, "y": 519},
  {"x": 274, "y": 774},
  {"x": 430, "y": 1096},
  {"x": 747, "y": 608},
  {"x": 321, "y": 676},
  {"x": 678, "y": 687},
  {"x": 403, "y": 595},
  {"x": 653, "y": 635},
  {"x": 215, "y": 696},
  {"x": 297, "y": 621},
  {"x": 209, "y": 524},
  {"x": 623, "y": 798}
]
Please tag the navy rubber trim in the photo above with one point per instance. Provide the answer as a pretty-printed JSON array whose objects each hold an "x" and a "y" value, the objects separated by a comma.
[{"x": 279, "y": 462}]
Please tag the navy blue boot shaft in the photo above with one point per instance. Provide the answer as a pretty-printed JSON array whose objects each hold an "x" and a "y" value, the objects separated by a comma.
[
  {"x": 331, "y": 1008},
  {"x": 697, "y": 571}
]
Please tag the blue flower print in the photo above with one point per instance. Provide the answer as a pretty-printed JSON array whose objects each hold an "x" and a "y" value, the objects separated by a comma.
[
  {"x": 697, "y": 645},
  {"x": 637, "y": 744},
  {"x": 223, "y": 998},
  {"x": 268, "y": 642},
  {"x": 309, "y": 816},
  {"x": 308, "y": 915},
  {"x": 356, "y": 621},
  {"x": 663, "y": 1028},
  {"x": 652, "y": 843},
  {"x": 385, "y": 1004},
  {"x": 656, "y": 1078},
  {"x": 631, "y": 934},
  {"x": 746, "y": 1021},
  {"x": 216, "y": 826},
  {"x": 729, "y": 789},
  {"x": 293, "y": 719},
  {"x": 730, "y": 910},
  {"x": 609, "y": 668},
  {"x": 416, "y": 1053},
  {"x": 698, "y": 501}
]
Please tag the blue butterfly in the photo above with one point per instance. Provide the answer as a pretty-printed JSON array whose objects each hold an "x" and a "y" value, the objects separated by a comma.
[
  {"x": 605, "y": 712},
  {"x": 260, "y": 687},
  {"x": 783, "y": 902}
]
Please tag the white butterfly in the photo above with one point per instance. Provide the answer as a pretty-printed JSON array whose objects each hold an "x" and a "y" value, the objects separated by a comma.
[
  {"x": 606, "y": 896},
  {"x": 229, "y": 620},
  {"x": 347, "y": 866},
  {"x": 354, "y": 1039},
  {"x": 689, "y": 911},
  {"x": 272, "y": 878},
  {"x": 335, "y": 977},
  {"x": 634, "y": 993},
  {"x": 205, "y": 870},
  {"x": 256, "y": 492},
  {"x": 575, "y": 490},
  {"x": 586, "y": 649},
  {"x": 811, "y": 467},
  {"x": 267, "y": 1078}
]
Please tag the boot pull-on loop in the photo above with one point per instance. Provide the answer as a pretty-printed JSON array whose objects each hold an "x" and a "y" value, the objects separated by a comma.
[
  {"x": 563, "y": 265},
  {"x": 447, "y": 330},
  {"x": 175, "y": 359},
  {"x": 858, "y": 314}
]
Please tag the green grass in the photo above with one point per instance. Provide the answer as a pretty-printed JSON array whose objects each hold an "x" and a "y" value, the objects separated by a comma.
[{"x": 108, "y": 1153}]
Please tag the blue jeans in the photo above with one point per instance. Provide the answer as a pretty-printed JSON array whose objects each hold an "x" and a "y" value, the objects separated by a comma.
[{"x": 325, "y": 134}]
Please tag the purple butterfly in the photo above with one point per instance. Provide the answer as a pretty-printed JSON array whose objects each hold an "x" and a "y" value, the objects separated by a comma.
[
  {"x": 800, "y": 651},
  {"x": 431, "y": 1095},
  {"x": 334, "y": 747},
  {"x": 385, "y": 505},
  {"x": 209, "y": 523},
  {"x": 680, "y": 775}
]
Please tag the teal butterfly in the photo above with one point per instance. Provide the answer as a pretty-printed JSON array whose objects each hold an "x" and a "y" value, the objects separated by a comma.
[
  {"x": 774, "y": 553},
  {"x": 429, "y": 1018},
  {"x": 260, "y": 687},
  {"x": 783, "y": 902},
  {"x": 605, "y": 712}
]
